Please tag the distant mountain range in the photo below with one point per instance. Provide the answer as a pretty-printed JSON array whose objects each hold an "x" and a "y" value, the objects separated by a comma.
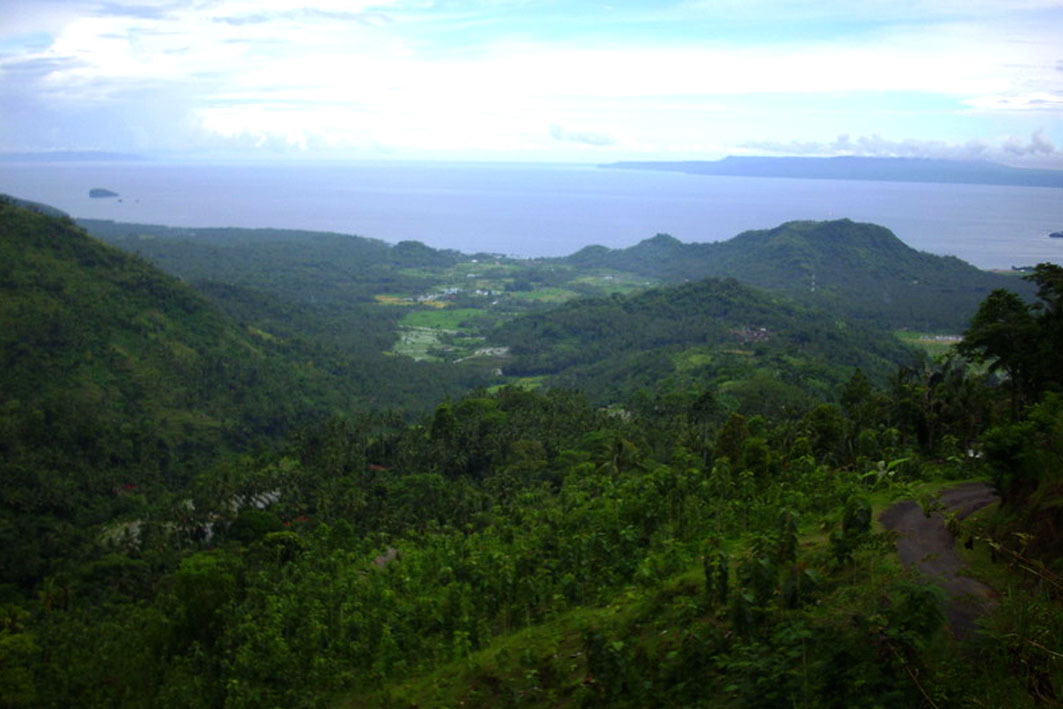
[
  {"x": 70, "y": 156},
  {"x": 860, "y": 168}
]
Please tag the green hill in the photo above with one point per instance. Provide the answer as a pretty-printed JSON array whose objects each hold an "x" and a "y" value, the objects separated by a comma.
[
  {"x": 764, "y": 349},
  {"x": 343, "y": 267},
  {"x": 513, "y": 547},
  {"x": 862, "y": 270},
  {"x": 117, "y": 377}
]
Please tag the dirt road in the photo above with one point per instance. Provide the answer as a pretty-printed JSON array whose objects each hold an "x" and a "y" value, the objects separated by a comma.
[{"x": 926, "y": 543}]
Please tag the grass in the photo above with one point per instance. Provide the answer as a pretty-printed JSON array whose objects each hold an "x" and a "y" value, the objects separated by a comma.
[
  {"x": 424, "y": 330},
  {"x": 399, "y": 300},
  {"x": 452, "y": 319},
  {"x": 526, "y": 383},
  {"x": 545, "y": 295},
  {"x": 614, "y": 282},
  {"x": 929, "y": 342},
  {"x": 692, "y": 359},
  {"x": 416, "y": 343}
]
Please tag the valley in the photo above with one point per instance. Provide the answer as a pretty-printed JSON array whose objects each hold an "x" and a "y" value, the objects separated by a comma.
[{"x": 281, "y": 468}]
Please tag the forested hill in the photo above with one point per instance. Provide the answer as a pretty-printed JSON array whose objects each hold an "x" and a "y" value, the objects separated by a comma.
[
  {"x": 862, "y": 270},
  {"x": 114, "y": 375},
  {"x": 105, "y": 339},
  {"x": 514, "y": 547},
  {"x": 763, "y": 351},
  {"x": 345, "y": 267}
]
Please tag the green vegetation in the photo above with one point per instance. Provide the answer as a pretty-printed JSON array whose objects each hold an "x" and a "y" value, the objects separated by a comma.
[
  {"x": 447, "y": 319},
  {"x": 935, "y": 345},
  {"x": 114, "y": 375},
  {"x": 230, "y": 496},
  {"x": 860, "y": 270},
  {"x": 767, "y": 353}
]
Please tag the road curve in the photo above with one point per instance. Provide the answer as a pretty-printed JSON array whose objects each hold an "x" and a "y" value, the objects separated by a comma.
[{"x": 925, "y": 543}]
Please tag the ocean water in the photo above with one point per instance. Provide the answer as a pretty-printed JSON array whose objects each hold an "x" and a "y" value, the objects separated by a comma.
[{"x": 545, "y": 210}]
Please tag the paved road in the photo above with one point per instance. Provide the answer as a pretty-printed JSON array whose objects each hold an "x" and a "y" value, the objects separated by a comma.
[{"x": 926, "y": 543}]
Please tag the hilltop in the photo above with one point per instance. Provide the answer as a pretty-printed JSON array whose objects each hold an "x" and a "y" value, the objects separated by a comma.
[{"x": 862, "y": 270}]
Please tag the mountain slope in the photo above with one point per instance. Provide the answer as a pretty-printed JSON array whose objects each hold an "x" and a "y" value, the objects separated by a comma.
[
  {"x": 712, "y": 332},
  {"x": 344, "y": 267},
  {"x": 115, "y": 377},
  {"x": 861, "y": 270}
]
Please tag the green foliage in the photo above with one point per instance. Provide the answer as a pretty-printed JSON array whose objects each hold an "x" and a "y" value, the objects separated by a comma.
[
  {"x": 252, "y": 524},
  {"x": 507, "y": 546},
  {"x": 17, "y": 653},
  {"x": 773, "y": 355},
  {"x": 1021, "y": 340},
  {"x": 861, "y": 270}
]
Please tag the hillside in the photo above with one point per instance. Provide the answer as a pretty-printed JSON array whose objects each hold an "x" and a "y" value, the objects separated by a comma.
[
  {"x": 115, "y": 376},
  {"x": 710, "y": 542},
  {"x": 862, "y": 270},
  {"x": 763, "y": 350}
]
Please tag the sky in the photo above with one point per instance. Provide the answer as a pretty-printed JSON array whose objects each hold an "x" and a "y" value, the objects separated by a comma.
[{"x": 534, "y": 80}]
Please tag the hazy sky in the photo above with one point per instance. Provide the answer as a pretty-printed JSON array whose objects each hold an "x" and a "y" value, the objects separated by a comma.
[{"x": 570, "y": 80}]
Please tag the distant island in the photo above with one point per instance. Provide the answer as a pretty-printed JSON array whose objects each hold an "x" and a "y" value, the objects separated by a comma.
[
  {"x": 101, "y": 193},
  {"x": 859, "y": 168}
]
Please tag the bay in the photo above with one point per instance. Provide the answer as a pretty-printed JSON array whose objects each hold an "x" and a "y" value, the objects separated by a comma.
[{"x": 534, "y": 210}]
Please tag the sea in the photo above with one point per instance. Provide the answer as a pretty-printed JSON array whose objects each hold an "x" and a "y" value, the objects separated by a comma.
[{"x": 536, "y": 210}]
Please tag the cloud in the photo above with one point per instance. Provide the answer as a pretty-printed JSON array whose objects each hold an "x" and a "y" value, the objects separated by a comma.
[
  {"x": 876, "y": 146},
  {"x": 144, "y": 11},
  {"x": 1038, "y": 145},
  {"x": 1035, "y": 101},
  {"x": 370, "y": 18},
  {"x": 32, "y": 69},
  {"x": 581, "y": 136},
  {"x": 456, "y": 74}
]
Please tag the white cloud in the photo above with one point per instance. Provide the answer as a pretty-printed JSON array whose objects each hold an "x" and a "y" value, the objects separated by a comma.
[
  {"x": 412, "y": 74},
  {"x": 585, "y": 137},
  {"x": 1036, "y": 101},
  {"x": 1003, "y": 150},
  {"x": 1038, "y": 145}
]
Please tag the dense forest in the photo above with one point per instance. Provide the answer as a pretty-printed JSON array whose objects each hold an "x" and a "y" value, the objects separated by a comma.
[
  {"x": 860, "y": 270},
  {"x": 226, "y": 487}
]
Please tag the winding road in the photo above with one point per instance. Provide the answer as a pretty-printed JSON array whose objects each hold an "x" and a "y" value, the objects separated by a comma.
[{"x": 925, "y": 543}]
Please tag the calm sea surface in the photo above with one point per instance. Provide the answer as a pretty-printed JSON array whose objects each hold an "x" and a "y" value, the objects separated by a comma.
[{"x": 545, "y": 210}]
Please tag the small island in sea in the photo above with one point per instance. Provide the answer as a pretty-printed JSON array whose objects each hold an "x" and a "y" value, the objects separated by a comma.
[{"x": 101, "y": 193}]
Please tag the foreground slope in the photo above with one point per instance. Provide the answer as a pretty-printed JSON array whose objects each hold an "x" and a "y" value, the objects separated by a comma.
[
  {"x": 515, "y": 547},
  {"x": 862, "y": 270},
  {"x": 118, "y": 380},
  {"x": 115, "y": 378}
]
